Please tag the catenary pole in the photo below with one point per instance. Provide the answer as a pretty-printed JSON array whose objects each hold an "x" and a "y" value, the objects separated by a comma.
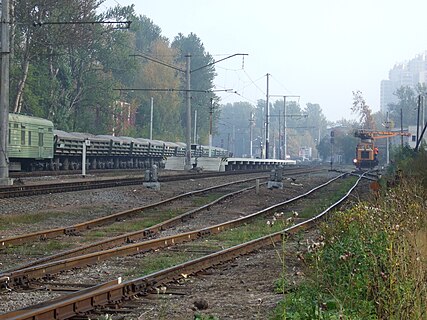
[
  {"x": 401, "y": 128},
  {"x": 187, "y": 164},
  {"x": 285, "y": 137},
  {"x": 210, "y": 127},
  {"x": 187, "y": 71},
  {"x": 251, "y": 121},
  {"x": 4, "y": 93},
  {"x": 267, "y": 122},
  {"x": 388, "y": 141},
  {"x": 195, "y": 127},
  {"x": 151, "y": 118},
  {"x": 285, "y": 116}
]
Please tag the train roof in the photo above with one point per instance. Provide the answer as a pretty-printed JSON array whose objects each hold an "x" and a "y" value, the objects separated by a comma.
[
  {"x": 77, "y": 136},
  {"x": 130, "y": 139},
  {"x": 152, "y": 142},
  {"x": 171, "y": 144},
  {"x": 114, "y": 138},
  {"x": 15, "y": 117}
]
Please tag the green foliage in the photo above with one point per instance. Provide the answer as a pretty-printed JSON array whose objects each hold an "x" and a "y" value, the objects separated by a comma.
[
  {"x": 68, "y": 72},
  {"x": 407, "y": 104},
  {"x": 13, "y": 220},
  {"x": 373, "y": 264},
  {"x": 410, "y": 162},
  {"x": 232, "y": 127},
  {"x": 40, "y": 248},
  {"x": 344, "y": 145},
  {"x": 366, "y": 119},
  {"x": 201, "y": 79},
  {"x": 158, "y": 262}
]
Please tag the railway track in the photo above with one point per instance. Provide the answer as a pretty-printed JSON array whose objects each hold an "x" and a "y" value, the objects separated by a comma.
[
  {"x": 73, "y": 229},
  {"x": 112, "y": 293},
  {"x": 130, "y": 237},
  {"x": 86, "y": 184},
  {"x": 82, "y": 256}
]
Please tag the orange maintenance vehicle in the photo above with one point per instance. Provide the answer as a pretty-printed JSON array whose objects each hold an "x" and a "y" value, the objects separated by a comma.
[{"x": 366, "y": 151}]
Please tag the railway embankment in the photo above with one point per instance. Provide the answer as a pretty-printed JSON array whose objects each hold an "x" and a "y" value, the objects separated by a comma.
[{"x": 372, "y": 259}]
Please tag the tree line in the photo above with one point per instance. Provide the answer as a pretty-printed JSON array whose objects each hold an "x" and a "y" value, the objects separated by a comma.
[
  {"x": 74, "y": 66},
  {"x": 86, "y": 71}
]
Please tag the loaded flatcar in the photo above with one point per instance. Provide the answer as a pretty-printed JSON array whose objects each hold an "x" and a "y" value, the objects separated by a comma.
[{"x": 33, "y": 144}]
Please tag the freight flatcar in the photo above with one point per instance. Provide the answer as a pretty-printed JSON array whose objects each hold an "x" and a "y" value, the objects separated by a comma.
[{"x": 35, "y": 145}]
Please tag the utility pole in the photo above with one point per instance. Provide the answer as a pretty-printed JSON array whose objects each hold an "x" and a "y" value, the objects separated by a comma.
[
  {"x": 267, "y": 116},
  {"x": 187, "y": 164},
  {"x": 418, "y": 117},
  {"x": 187, "y": 71},
  {"x": 401, "y": 128},
  {"x": 285, "y": 116},
  {"x": 285, "y": 136},
  {"x": 388, "y": 141},
  {"x": 195, "y": 127},
  {"x": 4, "y": 93},
  {"x": 251, "y": 124},
  {"x": 151, "y": 118},
  {"x": 210, "y": 127},
  {"x": 280, "y": 139}
]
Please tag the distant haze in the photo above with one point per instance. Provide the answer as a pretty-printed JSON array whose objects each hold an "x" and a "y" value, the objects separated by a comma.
[{"x": 320, "y": 50}]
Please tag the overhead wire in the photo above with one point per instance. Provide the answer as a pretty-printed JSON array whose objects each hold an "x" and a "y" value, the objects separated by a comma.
[{"x": 278, "y": 82}]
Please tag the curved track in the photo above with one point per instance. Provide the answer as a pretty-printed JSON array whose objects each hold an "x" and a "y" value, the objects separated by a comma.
[{"x": 113, "y": 292}]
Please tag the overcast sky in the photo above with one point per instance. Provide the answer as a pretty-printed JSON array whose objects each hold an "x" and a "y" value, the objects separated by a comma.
[{"x": 321, "y": 50}]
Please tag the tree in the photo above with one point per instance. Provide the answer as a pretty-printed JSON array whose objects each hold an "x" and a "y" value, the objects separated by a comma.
[
  {"x": 232, "y": 127},
  {"x": 200, "y": 80},
  {"x": 359, "y": 106},
  {"x": 407, "y": 104},
  {"x": 167, "y": 104}
]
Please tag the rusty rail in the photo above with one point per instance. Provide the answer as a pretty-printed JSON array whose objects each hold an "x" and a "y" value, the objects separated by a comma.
[
  {"x": 45, "y": 188},
  {"x": 22, "y": 276},
  {"x": 110, "y": 293},
  {"x": 52, "y": 233}
]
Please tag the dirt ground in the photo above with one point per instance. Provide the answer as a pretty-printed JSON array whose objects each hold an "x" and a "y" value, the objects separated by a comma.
[{"x": 241, "y": 289}]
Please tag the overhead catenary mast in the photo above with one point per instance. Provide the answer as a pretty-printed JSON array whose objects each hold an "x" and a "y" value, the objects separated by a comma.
[
  {"x": 4, "y": 93},
  {"x": 267, "y": 121}
]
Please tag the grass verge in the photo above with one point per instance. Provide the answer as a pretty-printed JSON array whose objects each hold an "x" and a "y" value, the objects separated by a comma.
[{"x": 373, "y": 264}]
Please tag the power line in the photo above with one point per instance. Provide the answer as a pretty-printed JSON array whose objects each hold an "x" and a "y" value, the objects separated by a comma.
[
  {"x": 42, "y": 23},
  {"x": 170, "y": 90},
  {"x": 280, "y": 84}
]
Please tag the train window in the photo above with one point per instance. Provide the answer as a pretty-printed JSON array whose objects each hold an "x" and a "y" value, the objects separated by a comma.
[
  {"x": 364, "y": 154},
  {"x": 40, "y": 139},
  {"x": 10, "y": 139},
  {"x": 15, "y": 125},
  {"x": 23, "y": 137},
  {"x": 29, "y": 138}
]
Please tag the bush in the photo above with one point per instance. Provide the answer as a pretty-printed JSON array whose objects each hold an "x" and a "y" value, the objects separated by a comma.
[{"x": 373, "y": 264}]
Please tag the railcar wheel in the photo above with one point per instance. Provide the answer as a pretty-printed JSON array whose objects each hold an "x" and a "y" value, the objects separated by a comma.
[{"x": 65, "y": 164}]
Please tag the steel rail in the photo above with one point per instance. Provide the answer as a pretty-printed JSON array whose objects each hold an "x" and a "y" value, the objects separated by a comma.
[
  {"x": 22, "y": 276},
  {"x": 36, "y": 189},
  {"x": 109, "y": 293},
  {"x": 125, "y": 238},
  {"x": 69, "y": 230}
]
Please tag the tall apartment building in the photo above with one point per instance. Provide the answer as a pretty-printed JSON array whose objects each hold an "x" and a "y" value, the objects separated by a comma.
[{"x": 408, "y": 73}]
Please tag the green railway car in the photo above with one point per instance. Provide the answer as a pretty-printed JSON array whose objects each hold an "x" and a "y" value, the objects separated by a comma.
[{"x": 30, "y": 143}]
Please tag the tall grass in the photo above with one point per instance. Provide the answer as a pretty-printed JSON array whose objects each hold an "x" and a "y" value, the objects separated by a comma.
[{"x": 373, "y": 264}]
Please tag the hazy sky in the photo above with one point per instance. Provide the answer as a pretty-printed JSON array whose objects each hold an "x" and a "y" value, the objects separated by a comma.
[{"x": 321, "y": 50}]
